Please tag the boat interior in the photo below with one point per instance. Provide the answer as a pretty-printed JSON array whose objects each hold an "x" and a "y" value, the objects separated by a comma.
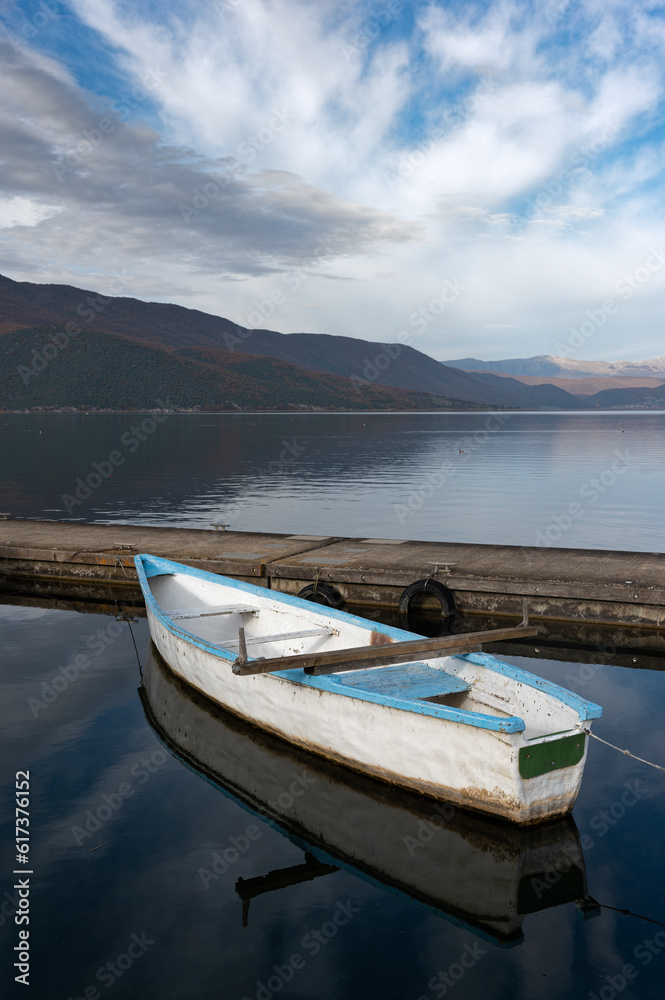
[{"x": 213, "y": 612}]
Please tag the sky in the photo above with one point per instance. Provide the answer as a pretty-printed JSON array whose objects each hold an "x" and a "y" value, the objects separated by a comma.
[{"x": 475, "y": 179}]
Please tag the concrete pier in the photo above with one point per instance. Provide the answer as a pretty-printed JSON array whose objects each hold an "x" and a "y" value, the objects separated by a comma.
[{"x": 61, "y": 558}]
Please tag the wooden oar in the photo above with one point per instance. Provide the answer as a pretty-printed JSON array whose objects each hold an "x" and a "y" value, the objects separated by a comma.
[{"x": 336, "y": 660}]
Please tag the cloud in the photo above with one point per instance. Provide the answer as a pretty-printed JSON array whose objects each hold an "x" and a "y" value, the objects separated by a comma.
[
  {"x": 368, "y": 154},
  {"x": 492, "y": 42},
  {"x": 74, "y": 168},
  {"x": 19, "y": 211}
]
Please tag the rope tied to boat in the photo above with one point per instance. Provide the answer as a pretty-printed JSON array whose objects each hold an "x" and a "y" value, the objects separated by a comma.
[
  {"x": 629, "y": 913},
  {"x": 126, "y": 617},
  {"x": 626, "y": 752},
  {"x": 119, "y": 562}
]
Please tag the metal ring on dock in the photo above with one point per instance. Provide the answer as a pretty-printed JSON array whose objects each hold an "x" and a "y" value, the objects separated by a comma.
[{"x": 445, "y": 596}]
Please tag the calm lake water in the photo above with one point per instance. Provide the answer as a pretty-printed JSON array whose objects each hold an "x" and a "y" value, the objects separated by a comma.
[
  {"x": 576, "y": 480},
  {"x": 175, "y": 854}
]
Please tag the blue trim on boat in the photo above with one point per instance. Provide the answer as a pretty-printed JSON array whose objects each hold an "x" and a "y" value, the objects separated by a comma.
[
  {"x": 323, "y": 682},
  {"x": 148, "y": 566},
  {"x": 166, "y": 567},
  {"x": 585, "y": 709}
]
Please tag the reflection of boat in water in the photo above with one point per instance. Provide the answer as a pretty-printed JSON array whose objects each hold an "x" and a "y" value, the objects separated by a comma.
[{"x": 480, "y": 873}]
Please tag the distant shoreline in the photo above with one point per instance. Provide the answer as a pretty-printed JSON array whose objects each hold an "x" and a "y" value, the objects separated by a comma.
[
  {"x": 322, "y": 409},
  {"x": 312, "y": 410}
]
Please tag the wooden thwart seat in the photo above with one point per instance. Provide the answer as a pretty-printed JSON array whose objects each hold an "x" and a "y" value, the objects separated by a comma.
[
  {"x": 307, "y": 633},
  {"x": 405, "y": 680},
  {"x": 207, "y": 612}
]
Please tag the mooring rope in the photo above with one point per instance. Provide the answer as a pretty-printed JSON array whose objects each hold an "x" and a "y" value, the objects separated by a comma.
[
  {"x": 629, "y": 913},
  {"x": 119, "y": 562},
  {"x": 126, "y": 618},
  {"x": 626, "y": 752}
]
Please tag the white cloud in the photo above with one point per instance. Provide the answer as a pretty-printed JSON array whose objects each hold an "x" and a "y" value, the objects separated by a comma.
[
  {"x": 373, "y": 163},
  {"x": 21, "y": 211},
  {"x": 493, "y": 44}
]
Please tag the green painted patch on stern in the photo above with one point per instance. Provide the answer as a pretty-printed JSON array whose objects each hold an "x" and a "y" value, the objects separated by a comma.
[{"x": 539, "y": 758}]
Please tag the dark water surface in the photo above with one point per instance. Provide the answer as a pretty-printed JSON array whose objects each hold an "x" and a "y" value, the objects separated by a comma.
[
  {"x": 177, "y": 854},
  {"x": 141, "y": 828},
  {"x": 582, "y": 480}
]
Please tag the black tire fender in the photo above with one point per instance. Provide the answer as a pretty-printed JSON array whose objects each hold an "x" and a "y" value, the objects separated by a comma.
[
  {"x": 322, "y": 593},
  {"x": 445, "y": 596}
]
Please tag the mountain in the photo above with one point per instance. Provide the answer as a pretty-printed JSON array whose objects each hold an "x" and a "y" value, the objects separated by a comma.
[
  {"x": 123, "y": 353},
  {"x": 545, "y": 396},
  {"x": 586, "y": 386},
  {"x": 365, "y": 363},
  {"x": 633, "y": 399},
  {"x": 26, "y": 304},
  {"x": 546, "y": 364},
  {"x": 400, "y": 366},
  {"x": 46, "y": 367}
]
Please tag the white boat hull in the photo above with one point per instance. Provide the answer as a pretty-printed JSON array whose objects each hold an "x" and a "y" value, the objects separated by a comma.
[{"x": 474, "y": 767}]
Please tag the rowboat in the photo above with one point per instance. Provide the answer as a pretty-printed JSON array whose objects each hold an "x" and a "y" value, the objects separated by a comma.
[
  {"x": 435, "y": 715},
  {"x": 473, "y": 871}
]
